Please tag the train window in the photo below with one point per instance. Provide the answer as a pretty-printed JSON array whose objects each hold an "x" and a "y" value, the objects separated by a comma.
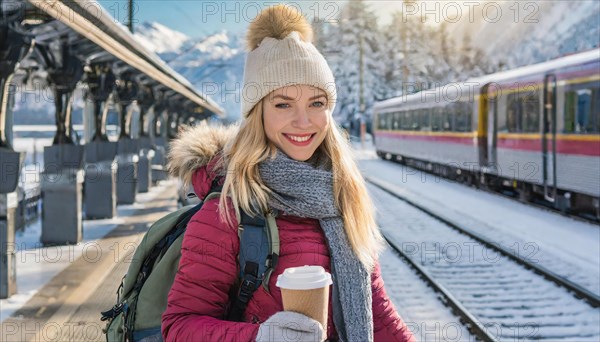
[
  {"x": 469, "y": 110},
  {"x": 513, "y": 115},
  {"x": 501, "y": 118},
  {"x": 388, "y": 121},
  {"x": 381, "y": 121},
  {"x": 582, "y": 111},
  {"x": 406, "y": 120},
  {"x": 436, "y": 119},
  {"x": 463, "y": 117},
  {"x": 570, "y": 108},
  {"x": 396, "y": 121},
  {"x": 424, "y": 120},
  {"x": 448, "y": 117},
  {"x": 530, "y": 109},
  {"x": 594, "y": 122},
  {"x": 400, "y": 118},
  {"x": 460, "y": 118},
  {"x": 414, "y": 120}
]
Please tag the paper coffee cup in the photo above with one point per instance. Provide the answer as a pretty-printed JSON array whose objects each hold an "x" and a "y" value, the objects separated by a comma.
[{"x": 305, "y": 290}]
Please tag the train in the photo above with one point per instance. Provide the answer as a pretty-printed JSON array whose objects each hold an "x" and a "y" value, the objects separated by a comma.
[{"x": 533, "y": 131}]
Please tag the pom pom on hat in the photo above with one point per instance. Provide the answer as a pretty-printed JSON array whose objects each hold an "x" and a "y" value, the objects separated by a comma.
[
  {"x": 277, "y": 22},
  {"x": 281, "y": 54}
]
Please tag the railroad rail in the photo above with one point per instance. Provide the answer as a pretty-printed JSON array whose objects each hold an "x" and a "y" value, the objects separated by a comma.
[
  {"x": 495, "y": 298},
  {"x": 577, "y": 290},
  {"x": 471, "y": 322}
]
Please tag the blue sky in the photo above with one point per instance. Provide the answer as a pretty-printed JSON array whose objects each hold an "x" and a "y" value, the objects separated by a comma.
[{"x": 197, "y": 18}]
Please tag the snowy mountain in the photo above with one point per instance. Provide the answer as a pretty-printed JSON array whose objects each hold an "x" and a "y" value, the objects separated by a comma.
[
  {"x": 213, "y": 64},
  {"x": 160, "y": 38}
]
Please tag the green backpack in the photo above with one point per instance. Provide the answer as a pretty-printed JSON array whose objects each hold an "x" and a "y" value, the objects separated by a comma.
[{"x": 142, "y": 294}]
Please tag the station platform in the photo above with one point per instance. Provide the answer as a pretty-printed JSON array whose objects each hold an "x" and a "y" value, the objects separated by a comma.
[{"x": 68, "y": 306}]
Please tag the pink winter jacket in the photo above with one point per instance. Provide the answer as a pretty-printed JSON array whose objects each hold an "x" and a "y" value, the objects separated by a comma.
[{"x": 208, "y": 269}]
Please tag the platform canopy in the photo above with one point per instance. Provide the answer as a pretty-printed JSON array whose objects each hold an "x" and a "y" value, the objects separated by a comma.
[{"x": 95, "y": 36}]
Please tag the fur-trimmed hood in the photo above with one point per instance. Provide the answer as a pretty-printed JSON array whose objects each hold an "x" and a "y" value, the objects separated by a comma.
[{"x": 194, "y": 147}]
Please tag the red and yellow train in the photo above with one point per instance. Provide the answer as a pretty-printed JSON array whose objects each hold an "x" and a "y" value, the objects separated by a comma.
[{"x": 535, "y": 130}]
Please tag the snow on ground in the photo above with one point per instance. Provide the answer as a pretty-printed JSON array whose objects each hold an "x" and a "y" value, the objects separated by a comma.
[
  {"x": 512, "y": 302},
  {"x": 418, "y": 305},
  {"x": 568, "y": 247},
  {"x": 36, "y": 265}
]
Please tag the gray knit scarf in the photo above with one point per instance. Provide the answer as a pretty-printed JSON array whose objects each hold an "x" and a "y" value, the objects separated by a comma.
[{"x": 304, "y": 189}]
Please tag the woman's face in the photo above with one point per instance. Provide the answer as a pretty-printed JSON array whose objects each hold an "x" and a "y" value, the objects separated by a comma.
[{"x": 295, "y": 119}]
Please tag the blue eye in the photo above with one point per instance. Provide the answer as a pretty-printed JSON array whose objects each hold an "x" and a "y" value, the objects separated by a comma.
[
  {"x": 282, "y": 105},
  {"x": 318, "y": 104}
]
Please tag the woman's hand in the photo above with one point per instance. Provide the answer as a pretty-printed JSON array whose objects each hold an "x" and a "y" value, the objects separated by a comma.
[{"x": 290, "y": 326}]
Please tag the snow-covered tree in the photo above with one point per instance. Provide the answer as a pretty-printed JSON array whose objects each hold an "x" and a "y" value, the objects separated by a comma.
[{"x": 355, "y": 52}]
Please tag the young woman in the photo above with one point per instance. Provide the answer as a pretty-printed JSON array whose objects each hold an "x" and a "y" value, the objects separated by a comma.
[{"x": 288, "y": 156}]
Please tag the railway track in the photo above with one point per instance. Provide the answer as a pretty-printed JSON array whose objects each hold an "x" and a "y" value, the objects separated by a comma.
[
  {"x": 496, "y": 294},
  {"x": 471, "y": 323}
]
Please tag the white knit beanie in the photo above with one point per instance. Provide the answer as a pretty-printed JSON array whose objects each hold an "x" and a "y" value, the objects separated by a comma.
[{"x": 281, "y": 54}]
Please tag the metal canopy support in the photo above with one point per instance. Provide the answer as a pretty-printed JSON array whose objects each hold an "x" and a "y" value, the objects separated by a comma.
[
  {"x": 146, "y": 155},
  {"x": 126, "y": 91},
  {"x": 173, "y": 124},
  {"x": 6, "y": 113},
  {"x": 63, "y": 76},
  {"x": 63, "y": 102},
  {"x": 100, "y": 195},
  {"x": 13, "y": 47},
  {"x": 62, "y": 178},
  {"x": 101, "y": 82},
  {"x": 159, "y": 141},
  {"x": 145, "y": 102}
]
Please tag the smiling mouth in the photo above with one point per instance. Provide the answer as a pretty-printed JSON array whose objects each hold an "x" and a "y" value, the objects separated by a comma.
[{"x": 300, "y": 139}]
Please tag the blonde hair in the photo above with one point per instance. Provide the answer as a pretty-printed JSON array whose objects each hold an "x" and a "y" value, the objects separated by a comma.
[{"x": 244, "y": 186}]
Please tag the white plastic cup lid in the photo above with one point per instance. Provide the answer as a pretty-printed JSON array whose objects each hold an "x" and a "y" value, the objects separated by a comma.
[{"x": 304, "y": 278}]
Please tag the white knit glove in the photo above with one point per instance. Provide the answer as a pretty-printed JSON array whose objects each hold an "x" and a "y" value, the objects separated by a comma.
[{"x": 288, "y": 326}]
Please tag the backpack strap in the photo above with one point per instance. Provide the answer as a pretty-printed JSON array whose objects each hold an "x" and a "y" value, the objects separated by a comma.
[
  {"x": 258, "y": 257},
  {"x": 273, "y": 257}
]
